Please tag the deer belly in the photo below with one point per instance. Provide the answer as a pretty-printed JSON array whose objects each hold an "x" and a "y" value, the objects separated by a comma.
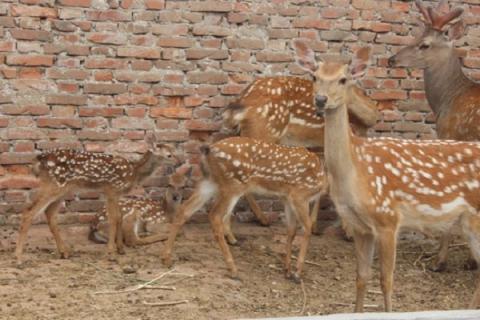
[{"x": 433, "y": 220}]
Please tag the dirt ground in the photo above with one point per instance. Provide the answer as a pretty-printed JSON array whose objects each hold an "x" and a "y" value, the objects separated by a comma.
[{"x": 51, "y": 288}]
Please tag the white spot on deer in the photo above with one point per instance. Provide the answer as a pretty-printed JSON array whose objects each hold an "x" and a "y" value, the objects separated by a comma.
[
  {"x": 378, "y": 184},
  {"x": 236, "y": 163}
]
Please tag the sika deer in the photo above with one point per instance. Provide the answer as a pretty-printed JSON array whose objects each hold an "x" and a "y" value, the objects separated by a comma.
[
  {"x": 136, "y": 213},
  {"x": 453, "y": 97},
  {"x": 235, "y": 166},
  {"x": 382, "y": 185},
  {"x": 63, "y": 171},
  {"x": 281, "y": 110}
]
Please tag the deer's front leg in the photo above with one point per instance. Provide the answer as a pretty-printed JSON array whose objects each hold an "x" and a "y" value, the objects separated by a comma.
[
  {"x": 364, "y": 249},
  {"x": 51, "y": 213},
  {"x": 387, "y": 253},
  {"x": 115, "y": 235},
  {"x": 291, "y": 232}
]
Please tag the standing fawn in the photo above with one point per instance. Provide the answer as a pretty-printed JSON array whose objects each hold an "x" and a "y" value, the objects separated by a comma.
[
  {"x": 235, "y": 166},
  {"x": 382, "y": 185},
  {"x": 137, "y": 213},
  {"x": 63, "y": 171},
  {"x": 281, "y": 110},
  {"x": 453, "y": 97}
]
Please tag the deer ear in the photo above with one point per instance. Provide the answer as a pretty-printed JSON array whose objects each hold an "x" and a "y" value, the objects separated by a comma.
[
  {"x": 457, "y": 30},
  {"x": 359, "y": 63},
  {"x": 150, "y": 139},
  {"x": 305, "y": 56}
]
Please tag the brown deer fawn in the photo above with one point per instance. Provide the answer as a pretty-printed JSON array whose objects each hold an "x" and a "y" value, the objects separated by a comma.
[
  {"x": 137, "y": 213},
  {"x": 281, "y": 110},
  {"x": 63, "y": 171},
  {"x": 235, "y": 166},
  {"x": 382, "y": 185},
  {"x": 453, "y": 97}
]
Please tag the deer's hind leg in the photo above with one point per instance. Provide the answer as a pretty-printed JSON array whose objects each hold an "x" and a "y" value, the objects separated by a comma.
[{"x": 49, "y": 195}]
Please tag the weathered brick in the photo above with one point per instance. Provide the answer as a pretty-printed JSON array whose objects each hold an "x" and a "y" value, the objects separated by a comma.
[
  {"x": 210, "y": 77},
  {"x": 109, "y": 15},
  {"x": 131, "y": 123},
  {"x": 30, "y": 60},
  {"x": 66, "y": 100},
  {"x": 170, "y": 29},
  {"x": 18, "y": 182},
  {"x": 211, "y": 6},
  {"x": 309, "y": 22},
  {"x": 22, "y": 34},
  {"x": 106, "y": 63},
  {"x": 59, "y": 123},
  {"x": 199, "y": 53},
  {"x": 155, "y": 4},
  {"x": 139, "y": 52},
  {"x": 209, "y": 30},
  {"x": 33, "y": 11},
  {"x": 34, "y": 110},
  {"x": 107, "y": 38},
  {"x": 202, "y": 125},
  {"x": 173, "y": 112},
  {"x": 273, "y": 56},
  {"x": 245, "y": 43},
  {"x": 76, "y": 3},
  {"x": 175, "y": 42},
  {"x": 104, "y": 88}
]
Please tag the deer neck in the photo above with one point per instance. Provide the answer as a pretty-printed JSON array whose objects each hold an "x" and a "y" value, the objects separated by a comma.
[
  {"x": 444, "y": 81},
  {"x": 338, "y": 150},
  {"x": 145, "y": 166}
]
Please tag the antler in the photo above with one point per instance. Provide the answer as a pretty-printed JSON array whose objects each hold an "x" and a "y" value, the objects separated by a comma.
[{"x": 435, "y": 18}]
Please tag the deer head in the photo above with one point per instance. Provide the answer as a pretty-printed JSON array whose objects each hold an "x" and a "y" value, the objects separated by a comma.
[
  {"x": 333, "y": 81},
  {"x": 435, "y": 41}
]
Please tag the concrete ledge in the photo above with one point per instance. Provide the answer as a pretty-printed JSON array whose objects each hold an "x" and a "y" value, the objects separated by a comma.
[{"x": 422, "y": 315}]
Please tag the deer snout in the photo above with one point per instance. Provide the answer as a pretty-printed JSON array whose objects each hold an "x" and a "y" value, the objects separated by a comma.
[{"x": 392, "y": 61}]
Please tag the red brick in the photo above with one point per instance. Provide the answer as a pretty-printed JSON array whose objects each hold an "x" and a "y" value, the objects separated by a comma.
[
  {"x": 66, "y": 100},
  {"x": 316, "y": 23},
  {"x": 174, "y": 112},
  {"x": 104, "y": 88},
  {"x": 199, "y": 53},
  {"x": 109, "y": 15},
  {"x": 144, "y": 65},
  {"x": 99, "y": 112},
  {"x": 68, "y": 87},
  {"x": 389, "y": 95},
  {"x": 19, "y": 182},
  {"x": 107, "y": 38},
  {"x": 126, "y": 4},
  {"x": 21, "y": 34},
  {"x": 273, "y": 56},
  {"x": 139, "y": 52},
  {"x": 211, "y": 77},
  {"x": 103, "y": 75},
  {"x": 33, "y": 11},
  {"x": 72, "y": 74},
  {"x": 59, "y": 123},
  {"x": 106, "y": 63},
  {"x": 30, "y": 73},
  {"x": 175, "y": 42},
  {"x": 76, "y": 3},
  {"x": 34, "y": 110},
  {"x": 130, "y": 123},
  {"x": 155, "y": 4},
  {"x": 245, "y": 43},
  {"x": 7, "y": 46},
  {"x": 201, "y": 125},
  {"x": 30, "y": 60}
]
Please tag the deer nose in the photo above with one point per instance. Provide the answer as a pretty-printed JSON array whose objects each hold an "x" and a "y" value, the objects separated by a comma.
[
  {"x": 391, "y": 61},
  {"x": 320, "y": 101}
]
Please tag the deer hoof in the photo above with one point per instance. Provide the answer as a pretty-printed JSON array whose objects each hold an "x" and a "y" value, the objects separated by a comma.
[
  {"x": 234, "y": 276},
  {"x": 295, "y": 277},
  {"x": 121, "y": 251},
  {"x": 167, "y": 261},
  {"x": 470, "y": 264},
  {"x": 64, "y": 255},
  {"x": 439, "y": 267}
]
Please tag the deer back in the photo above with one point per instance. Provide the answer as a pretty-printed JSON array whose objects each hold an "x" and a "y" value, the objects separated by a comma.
[
  {"x": 85, "y": 169},
  {"x": 264, "y": 165}
]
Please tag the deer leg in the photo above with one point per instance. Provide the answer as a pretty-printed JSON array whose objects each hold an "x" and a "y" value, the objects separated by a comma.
[
  {"x": 441, "y": 263},
  {"x": 40, "y": 204},
  {"x": 130, "y": 228},
  {"x": 223, "y": 205},
  {"x": 387, "y": 252},
  {"x": 291, "y": 232},
  {"x": 115, "y": 237},
  {"x": 227, "y": 225},
  {"x": 314, "y": 214},
  {"x": 301, "y": 207},
  {"x": 184, "y": 212},
  {"x": 257, "y": 211},
  {"x": 364, "y": 249},
  {"x": 51, "y": 213}
]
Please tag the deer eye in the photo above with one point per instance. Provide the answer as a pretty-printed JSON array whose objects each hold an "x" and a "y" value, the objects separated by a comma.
[
  {"x": 424, "y": 46},
  {"x": 342, "y": 81}
]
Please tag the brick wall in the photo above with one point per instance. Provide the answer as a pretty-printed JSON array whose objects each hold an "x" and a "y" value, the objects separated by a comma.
[{"x": 96, "y": 74}]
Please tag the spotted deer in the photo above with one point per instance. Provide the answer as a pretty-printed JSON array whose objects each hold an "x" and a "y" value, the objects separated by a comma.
[
  {"x": 453, "y": 97},
  {"x": 382, "y": 185},
  {"x": 138, "y": 213},
  {"x": 281, "y": 110},
  {"x": 235, "y": 166},
  {"x": 63, "y": 171}
]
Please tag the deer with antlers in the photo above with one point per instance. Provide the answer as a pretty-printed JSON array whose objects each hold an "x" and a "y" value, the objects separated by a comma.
[
  {"x": 281, "y": 110},
  {"x": 453, "y": 97},
  {"x": 382, "y": 185},
  {"x": 138, "y": 213},
  {"x": 235, "y": 166},
  {"x": 63, "y": 171}
]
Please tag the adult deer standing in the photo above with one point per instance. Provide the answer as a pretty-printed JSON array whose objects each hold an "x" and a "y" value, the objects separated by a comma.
[
  {"x": 453, "y": 97},
  {"x": 281, "y": 110},
  {"x": 235, "y": 166},
  {"x": 382, "y": 185},
  {"x": 63, "y": 171}
]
